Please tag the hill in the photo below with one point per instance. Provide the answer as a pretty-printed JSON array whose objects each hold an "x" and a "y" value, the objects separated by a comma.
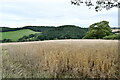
[
  {"x": 60, "y": 32},
  {"x": 15, "y": 35},
  {"x": 64, "y": 32},
  {"x": 34, "y": 28},
  {"x": 46, "y": 33},
  {"x": 6, "y": 29}
]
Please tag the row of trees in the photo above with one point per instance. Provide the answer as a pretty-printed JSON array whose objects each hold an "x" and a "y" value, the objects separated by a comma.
[
  {"x": 34, "y": 28},
  {"x": 5, "y": 41}
]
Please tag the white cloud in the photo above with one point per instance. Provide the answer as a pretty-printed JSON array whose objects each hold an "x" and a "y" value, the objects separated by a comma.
[{"x": 51, "y": 12}]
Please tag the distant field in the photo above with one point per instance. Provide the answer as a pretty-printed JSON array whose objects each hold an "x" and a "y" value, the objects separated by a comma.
[
  {"x": 15, "y": 35},
  {"x": 114, "y": 30},
  {"x": 61, "y": 59}
]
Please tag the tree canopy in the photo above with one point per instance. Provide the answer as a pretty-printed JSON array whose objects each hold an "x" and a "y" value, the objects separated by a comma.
[
  {"x": 98, "y": 30},
  {"x": 100, "y": 4}
]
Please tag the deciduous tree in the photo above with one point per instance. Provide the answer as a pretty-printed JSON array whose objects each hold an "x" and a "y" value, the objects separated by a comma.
[{"x": 98, "y": 30}]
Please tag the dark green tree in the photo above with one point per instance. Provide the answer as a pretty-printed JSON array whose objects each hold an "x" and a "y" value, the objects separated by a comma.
[
  {"x": 6, "y": 41},
  {"x": 98, "y": 30}
]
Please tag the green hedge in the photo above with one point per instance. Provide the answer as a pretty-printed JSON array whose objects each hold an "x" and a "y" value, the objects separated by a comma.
[{"x": 114, "y": 36}]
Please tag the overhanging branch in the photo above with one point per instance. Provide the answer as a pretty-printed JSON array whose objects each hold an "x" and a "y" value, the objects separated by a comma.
[{"x": 99, "y": 5}]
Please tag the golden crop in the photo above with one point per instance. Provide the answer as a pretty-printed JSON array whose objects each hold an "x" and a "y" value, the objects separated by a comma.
[{"x": 61, "y": 59}]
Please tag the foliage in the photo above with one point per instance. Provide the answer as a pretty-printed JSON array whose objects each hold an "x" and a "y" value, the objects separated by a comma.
[
  {"x": 38, "y": 28},
  {"x": 33, "y": 28},
  {"x": 114, "y": 36},
  {"x": 100, "y": 4},
  {"x": 61, "y": 32},
  {"x": 6, "y": 29},
  {"x": 5, "y": 41},
  {"x": 31, "y": 37},
  {"x": 98, "y": 30},
  {"x": 36, "y": 33}
]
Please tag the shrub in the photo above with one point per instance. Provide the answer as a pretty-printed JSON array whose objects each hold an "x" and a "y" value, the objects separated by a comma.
[
  {"x": 114, "y": 36},
  {"x": 6, "y": 40},
  {"x": 31, "y": 37}
]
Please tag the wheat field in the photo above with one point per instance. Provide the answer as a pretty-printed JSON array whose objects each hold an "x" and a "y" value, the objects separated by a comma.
[{"x": 61, "y": 59}]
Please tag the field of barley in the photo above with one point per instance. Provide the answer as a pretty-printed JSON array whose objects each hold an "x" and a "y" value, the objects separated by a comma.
[{"x": 61, "y": 59}]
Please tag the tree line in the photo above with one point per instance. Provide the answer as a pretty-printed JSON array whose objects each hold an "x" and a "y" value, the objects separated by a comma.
[
  {"x": 99, "y": 30},
  {"x": 34, "y": 28}
]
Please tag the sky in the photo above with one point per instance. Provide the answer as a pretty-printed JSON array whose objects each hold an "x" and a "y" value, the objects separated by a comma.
[{"x": 19, "y": 13}]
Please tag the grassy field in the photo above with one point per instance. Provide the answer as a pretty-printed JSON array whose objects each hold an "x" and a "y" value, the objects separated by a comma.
[
  {"x": 61, "y": 59},
  {"x": 15, "y": 35}
]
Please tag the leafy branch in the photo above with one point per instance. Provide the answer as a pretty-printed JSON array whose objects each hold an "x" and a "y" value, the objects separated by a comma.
[{"x": 99, "y": 5}]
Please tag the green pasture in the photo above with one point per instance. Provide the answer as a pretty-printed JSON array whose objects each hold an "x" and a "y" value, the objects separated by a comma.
[{"x": 15, "y": 35}]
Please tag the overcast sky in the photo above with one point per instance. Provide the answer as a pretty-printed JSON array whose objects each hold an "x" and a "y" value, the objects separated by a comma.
[{"x": 19, "y": 13}]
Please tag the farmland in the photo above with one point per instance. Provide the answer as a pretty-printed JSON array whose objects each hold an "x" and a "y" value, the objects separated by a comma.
[
  {"x": 61, "y": 59},
  {"x": 27, "y": 33},
  {"x": 15, "y": 35}
]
